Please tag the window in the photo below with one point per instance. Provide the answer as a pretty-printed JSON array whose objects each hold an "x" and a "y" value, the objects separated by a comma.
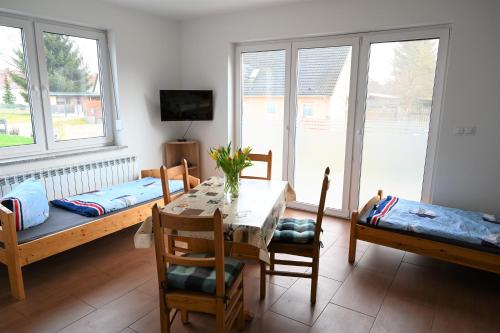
[
  {"x": 307, "y": 110},
  {"x": 54, "y": 87},
  {"x": 271, "y": 107}
]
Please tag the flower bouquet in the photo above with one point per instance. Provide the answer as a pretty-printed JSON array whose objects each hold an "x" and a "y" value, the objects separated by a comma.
[{"x": 231, "y": 165}]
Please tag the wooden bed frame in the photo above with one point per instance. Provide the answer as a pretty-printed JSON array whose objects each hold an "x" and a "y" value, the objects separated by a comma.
[
  {"x": 444, "y": 251},
  {"x": 15, "y": 256}
]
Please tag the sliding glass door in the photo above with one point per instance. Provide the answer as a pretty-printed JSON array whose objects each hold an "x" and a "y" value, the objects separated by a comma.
[
  {"x": 366, "y": 105},
  {"x": 398, "y": 114},
  {"x": 322, "y": 105}
]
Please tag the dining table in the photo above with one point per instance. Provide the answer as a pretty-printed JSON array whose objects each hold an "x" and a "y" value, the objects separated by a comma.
[{"x": 249, "y": 219}]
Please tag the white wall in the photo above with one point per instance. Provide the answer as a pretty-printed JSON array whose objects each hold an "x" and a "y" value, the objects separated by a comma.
[
  {"x": 467, "y": 168},
  {"x": 147, "y": 59}
]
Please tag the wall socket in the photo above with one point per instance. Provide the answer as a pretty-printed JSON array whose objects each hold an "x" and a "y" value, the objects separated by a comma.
[{"x": 465, "y": 130}]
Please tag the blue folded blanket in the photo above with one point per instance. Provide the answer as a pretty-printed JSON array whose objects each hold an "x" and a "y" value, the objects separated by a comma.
[{"x": 117, "y": 197}]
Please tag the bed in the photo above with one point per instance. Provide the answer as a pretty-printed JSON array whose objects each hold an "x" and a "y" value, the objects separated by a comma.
[
  {"x": 63, "y": 229},
  {"x": 458, "y": 236}
]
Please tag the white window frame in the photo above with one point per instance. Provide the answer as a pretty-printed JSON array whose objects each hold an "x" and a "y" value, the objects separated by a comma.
[
  {"x": 33, "y": 89},
  {"x": 33, "y": 30}
]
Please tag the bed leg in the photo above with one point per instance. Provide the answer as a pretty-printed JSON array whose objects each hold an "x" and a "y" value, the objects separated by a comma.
[
  {"x": 12, "y": 255},
  {"x": 16, "y": 281},
  {"x": 352, "y": 239}
]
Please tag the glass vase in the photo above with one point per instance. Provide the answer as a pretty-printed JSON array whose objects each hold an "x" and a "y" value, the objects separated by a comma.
[{"x": 231, "y": 186}]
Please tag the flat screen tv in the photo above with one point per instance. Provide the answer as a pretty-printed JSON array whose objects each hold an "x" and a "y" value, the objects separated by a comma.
[{"x": 177, "y": 105}]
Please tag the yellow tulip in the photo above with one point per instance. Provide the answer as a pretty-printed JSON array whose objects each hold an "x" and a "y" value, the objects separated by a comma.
[{"x": 246, "y": 150}]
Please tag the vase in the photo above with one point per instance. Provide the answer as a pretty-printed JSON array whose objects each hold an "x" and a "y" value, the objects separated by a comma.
[{"x": 231, "y": 186}]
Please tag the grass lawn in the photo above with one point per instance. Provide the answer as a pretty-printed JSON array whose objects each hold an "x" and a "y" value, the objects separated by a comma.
[
  {"x": 14, "y": 140},
  {"x": 13, "y": 117}
]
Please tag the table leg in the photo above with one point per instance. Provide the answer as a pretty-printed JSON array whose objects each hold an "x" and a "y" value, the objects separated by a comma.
[{"x": 262, "y": 280}]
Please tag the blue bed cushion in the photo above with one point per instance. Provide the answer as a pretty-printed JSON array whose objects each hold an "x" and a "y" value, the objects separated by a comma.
[{"x": 29, "y": 204}]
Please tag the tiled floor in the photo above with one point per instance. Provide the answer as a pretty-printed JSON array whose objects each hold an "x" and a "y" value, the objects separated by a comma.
[{"x": 108, "y": 286}]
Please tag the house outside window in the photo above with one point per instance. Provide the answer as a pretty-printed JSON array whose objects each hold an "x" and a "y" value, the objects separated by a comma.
[
  {"x": 271, "y": 107},
  {"x": 307, "y": 110}
]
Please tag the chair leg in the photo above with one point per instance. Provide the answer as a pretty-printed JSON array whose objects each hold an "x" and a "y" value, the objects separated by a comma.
[
  {"x": 184, "y": 316},
  {"x": 314, "y": 279},
  {"x": 352, "y": 238},
  {"x": 241, "y": 314},
  {"x": 220, "y": 317},
  {"x": 262, "y": 280},
  {"x": 272, "y": 255},
  {"x": 165, "y": 320}
]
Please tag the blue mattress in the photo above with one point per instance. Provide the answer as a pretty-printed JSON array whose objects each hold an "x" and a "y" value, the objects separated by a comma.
[
  {"x": 451, "y": 225},
  {"x": 61, "y": 219}
]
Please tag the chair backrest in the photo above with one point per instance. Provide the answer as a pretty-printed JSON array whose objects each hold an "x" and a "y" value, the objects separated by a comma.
[
  {"x": 173, "y": 173},
  {"x": 321, "y": 207},
  {"x": 267, "y": 158},
  {"x": 169, "y": 224}
]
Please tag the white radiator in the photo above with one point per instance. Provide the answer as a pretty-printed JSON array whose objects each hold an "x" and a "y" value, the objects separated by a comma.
[{"x": 78, "y": 178}]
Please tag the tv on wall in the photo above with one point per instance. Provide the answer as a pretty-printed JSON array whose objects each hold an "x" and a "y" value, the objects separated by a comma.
[{"x": 177, "y": 105}]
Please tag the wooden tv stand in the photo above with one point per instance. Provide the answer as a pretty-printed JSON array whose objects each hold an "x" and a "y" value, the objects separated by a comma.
[{"x": 175, "y": 151}]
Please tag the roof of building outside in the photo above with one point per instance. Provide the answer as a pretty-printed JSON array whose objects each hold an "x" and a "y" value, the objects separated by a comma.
[{"x": 319, "y": 71}]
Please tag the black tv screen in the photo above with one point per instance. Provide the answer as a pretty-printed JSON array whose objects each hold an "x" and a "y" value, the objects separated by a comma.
[{"x": 179, "y": 105}]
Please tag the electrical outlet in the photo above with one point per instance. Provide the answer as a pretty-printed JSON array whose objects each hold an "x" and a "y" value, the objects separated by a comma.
[
  {"x": 470, "y": 130},
  {"x": 459, "y": 130}
]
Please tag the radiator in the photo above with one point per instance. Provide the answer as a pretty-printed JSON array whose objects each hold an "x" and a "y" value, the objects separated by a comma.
[{"x": 78, "y": 178}]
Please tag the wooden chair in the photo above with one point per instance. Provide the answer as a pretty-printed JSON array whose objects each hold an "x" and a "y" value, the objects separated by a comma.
[
  {"x": 215, "y": 286},
  {"x": 299, "y": 238},
  {"x": 261, "y": 158},
  {"x": 176, "y": 172}
]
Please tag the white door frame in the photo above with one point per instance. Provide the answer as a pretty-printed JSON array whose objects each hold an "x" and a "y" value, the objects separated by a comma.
[
  {"x": 443, "y": 34},
  {"x": 262, "y": 47},
  {"x": 353, "y": 42},
  {"x": 360, "y": 43}
]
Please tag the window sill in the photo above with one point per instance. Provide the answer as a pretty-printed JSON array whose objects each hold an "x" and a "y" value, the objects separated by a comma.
[{"x": 57, "y": 154}]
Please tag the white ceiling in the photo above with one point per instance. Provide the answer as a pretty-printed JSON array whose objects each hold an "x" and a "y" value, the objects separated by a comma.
[{"x": 185, "y": 9}]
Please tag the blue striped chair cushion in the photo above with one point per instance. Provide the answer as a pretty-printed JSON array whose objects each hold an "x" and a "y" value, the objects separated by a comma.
[
  {"x": 201, "y": 279},
  {"x": 291, "y": 230}
]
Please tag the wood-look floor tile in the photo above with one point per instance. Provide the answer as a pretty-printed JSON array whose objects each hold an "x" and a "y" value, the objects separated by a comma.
[
  {"x": 103, "y": 289},
  {"x": 115, "y": 316},
  {"x": 455, "y": 309},
  {"x": 399, "y": 314},
  {"x": 420, "y": 260},
  {"x": 253, "y": 303},
  {"x": 295, "y": 302},
  {"x": 334, "y": 265},
  {"x": 338, "y": 319},
  {"x": 53, "y": 316},
  {"x": 381, "y": 259},
  {"x": 128, "y": 330},
  {"x": 421, "y": 284},
  {"x": 275, "y": 323},
  {"x": 9, "y": 318},
  {"x": 343, "y": 241},
  {"x": 150, "y": 323},
  {"x": 363, "y": 291}
]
